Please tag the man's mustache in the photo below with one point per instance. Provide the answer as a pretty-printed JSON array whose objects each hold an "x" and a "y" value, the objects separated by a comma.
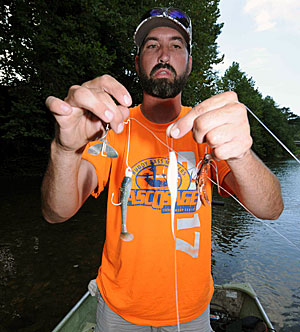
[{"x": 162, "y": 66}]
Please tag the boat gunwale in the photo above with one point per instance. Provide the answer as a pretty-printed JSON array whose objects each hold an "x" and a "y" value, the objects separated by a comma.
[
  {"x": 247, "y": 288},
  {"x": 71, "y": 312},
  {"x": 242, "y": 287}
]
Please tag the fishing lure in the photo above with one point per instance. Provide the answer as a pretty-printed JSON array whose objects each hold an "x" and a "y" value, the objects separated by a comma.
[
  {"x": 104, "y": 147},
  {"x": 125, "y": 192},
  {"x": 202, "y": 177},
  {"x": 172, "y": 180}
]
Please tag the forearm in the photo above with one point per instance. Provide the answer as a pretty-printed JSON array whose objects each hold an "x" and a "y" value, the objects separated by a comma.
[
  {"x": 60, "y": 193},
  {"x": 255, "y": 186}
]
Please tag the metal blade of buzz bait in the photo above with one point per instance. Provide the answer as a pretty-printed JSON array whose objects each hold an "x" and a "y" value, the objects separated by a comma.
[{"x": 104, "y": 148}]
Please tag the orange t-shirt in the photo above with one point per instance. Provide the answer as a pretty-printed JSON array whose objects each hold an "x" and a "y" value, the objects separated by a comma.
[{"x": 137, "y": 278}]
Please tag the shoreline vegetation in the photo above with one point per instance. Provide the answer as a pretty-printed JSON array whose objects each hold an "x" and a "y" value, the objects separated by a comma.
[{"x": 46, "y": 49}]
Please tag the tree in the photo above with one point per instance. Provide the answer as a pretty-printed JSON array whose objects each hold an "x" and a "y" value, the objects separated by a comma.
[
  {"x": 236, "y": 80},
  {"x": 45, "y": 43},
  {"x": 204, "y": 15},
  {"x": 277, "y": 122},
  {"x": 293, "y": 121},
  {"x": 47, "y": 46},
  {"x": 275, "y": 118}
]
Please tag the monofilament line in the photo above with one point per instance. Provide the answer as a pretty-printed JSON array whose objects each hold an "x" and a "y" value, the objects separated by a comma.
[
  {"x": 175, "y": 254},
  {"x": 128, "y": 142},
  {"x": 277, "y": 139},
  {"x": 264, "y": 223},
  {"x": 161, "y": 141}
]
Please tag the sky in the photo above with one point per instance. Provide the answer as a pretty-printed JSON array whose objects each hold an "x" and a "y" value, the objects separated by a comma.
[{"x": 263, "y": 36}]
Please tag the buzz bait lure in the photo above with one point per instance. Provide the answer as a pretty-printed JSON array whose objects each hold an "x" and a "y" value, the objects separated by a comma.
[{"x": 103, "y": 147}]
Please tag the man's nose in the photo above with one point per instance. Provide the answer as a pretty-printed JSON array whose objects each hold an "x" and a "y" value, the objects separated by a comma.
[{"x": 164, "y": 56}]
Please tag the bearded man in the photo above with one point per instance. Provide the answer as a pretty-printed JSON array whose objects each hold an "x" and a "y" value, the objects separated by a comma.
[{"x": 155, "y": 275}]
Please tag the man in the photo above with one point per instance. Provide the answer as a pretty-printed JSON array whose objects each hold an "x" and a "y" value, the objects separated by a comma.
[{"x": 160, "y": 276}]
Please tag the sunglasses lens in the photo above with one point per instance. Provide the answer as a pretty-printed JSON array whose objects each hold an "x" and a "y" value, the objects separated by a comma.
[
  {"x": 156, "y": 11},
  {"x": 173, "y": 13},
  {"x": 152, "y": 12},
  {"x": 180, "y": 17}
]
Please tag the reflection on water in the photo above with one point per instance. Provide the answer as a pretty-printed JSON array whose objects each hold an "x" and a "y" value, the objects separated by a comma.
[
  {"x": 248, "y": 249},
  {"x": 45, "y": 269}
]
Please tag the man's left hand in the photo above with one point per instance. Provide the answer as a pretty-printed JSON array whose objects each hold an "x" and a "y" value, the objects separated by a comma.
[{"x": 222, "y": 122}]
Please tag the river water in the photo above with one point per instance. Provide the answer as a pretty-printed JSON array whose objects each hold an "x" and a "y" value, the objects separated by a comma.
[{"x": 45, "y": 269}]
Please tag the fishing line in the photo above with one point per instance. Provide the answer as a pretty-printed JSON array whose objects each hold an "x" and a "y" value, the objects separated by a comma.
[
  {"x": 218, "y": 186},
  {"x": 128, "y": 141},
  {"x": 176, "y": 290},
  {"x": 264, "y": 223},
  {"x": 277, "y": 139},
  {"x": 128, "y": 167},
  {"x": 161, "y": 141},
  {"x": 172, "y": 178},
  {"x": 215, "y": 167}
]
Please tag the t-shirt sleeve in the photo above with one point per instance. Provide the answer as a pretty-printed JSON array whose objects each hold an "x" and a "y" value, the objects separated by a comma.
[{"x": 220, "y": 170}]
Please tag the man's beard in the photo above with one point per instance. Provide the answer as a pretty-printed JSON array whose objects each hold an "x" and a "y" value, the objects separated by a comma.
[{"x": 162, "y": 87}]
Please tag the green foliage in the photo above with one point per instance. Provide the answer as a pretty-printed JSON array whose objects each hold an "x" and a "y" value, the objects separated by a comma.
[
  {"x": 204, "y": 16},
  {"x": 276, "y": 119},
  {"x": 47, "y": 46}
]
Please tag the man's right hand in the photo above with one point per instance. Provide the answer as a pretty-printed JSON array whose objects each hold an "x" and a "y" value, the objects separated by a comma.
[{"x": 86, "y": 110}]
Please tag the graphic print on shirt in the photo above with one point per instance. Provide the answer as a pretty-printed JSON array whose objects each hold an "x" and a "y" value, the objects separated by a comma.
[{"x": 150, "y": 188}]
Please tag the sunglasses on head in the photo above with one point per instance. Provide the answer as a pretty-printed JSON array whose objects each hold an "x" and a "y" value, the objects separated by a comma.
[{"x": 172, "y": 13}]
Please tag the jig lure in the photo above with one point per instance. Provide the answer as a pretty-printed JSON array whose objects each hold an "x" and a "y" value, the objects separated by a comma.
[{"x": 202, "y": 178}]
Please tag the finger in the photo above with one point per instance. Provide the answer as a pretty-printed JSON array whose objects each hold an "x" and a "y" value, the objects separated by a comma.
[
  {"x": 186, "y": 123},
  {"x": 219, "y": 136},
  {"x": 120, "y": 114},
  {"x": 99, "y": 103},
  {"x": 232, "y": 150},
  {"x": 110, "y": 85},
  {"x": 202, "y": 124},
  {"x": 124, "y": 114},
  {"x": 232, "y": 116},
  {"x": 95, "y": 128},
  {"x": 57, "y": 106},
  {"x": 226, "y": 133},
  {"x": 84, "y": 98}
]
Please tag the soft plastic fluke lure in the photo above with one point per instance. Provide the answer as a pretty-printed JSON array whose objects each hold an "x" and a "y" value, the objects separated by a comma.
[
  {"x": 125, "y": 192},
  {"x": 172, "y": 180}
]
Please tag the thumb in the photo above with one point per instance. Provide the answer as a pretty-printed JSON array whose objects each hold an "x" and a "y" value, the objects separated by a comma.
[{"x": 57, "y": 106}]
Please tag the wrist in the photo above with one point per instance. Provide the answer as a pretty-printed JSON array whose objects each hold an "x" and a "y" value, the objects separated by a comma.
[
  {"x": 242, "y": 159},
  {"x": 58, "y": 150}
]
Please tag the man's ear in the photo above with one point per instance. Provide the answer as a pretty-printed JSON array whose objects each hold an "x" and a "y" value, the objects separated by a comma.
[
  {"x": 190, "y": 63},
  {"x": 137, "y": 59}
]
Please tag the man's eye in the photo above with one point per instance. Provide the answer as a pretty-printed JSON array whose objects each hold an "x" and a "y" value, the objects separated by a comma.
[
  {"x": 176, "y": 46},
  {"x": 151, "y": 46}
]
